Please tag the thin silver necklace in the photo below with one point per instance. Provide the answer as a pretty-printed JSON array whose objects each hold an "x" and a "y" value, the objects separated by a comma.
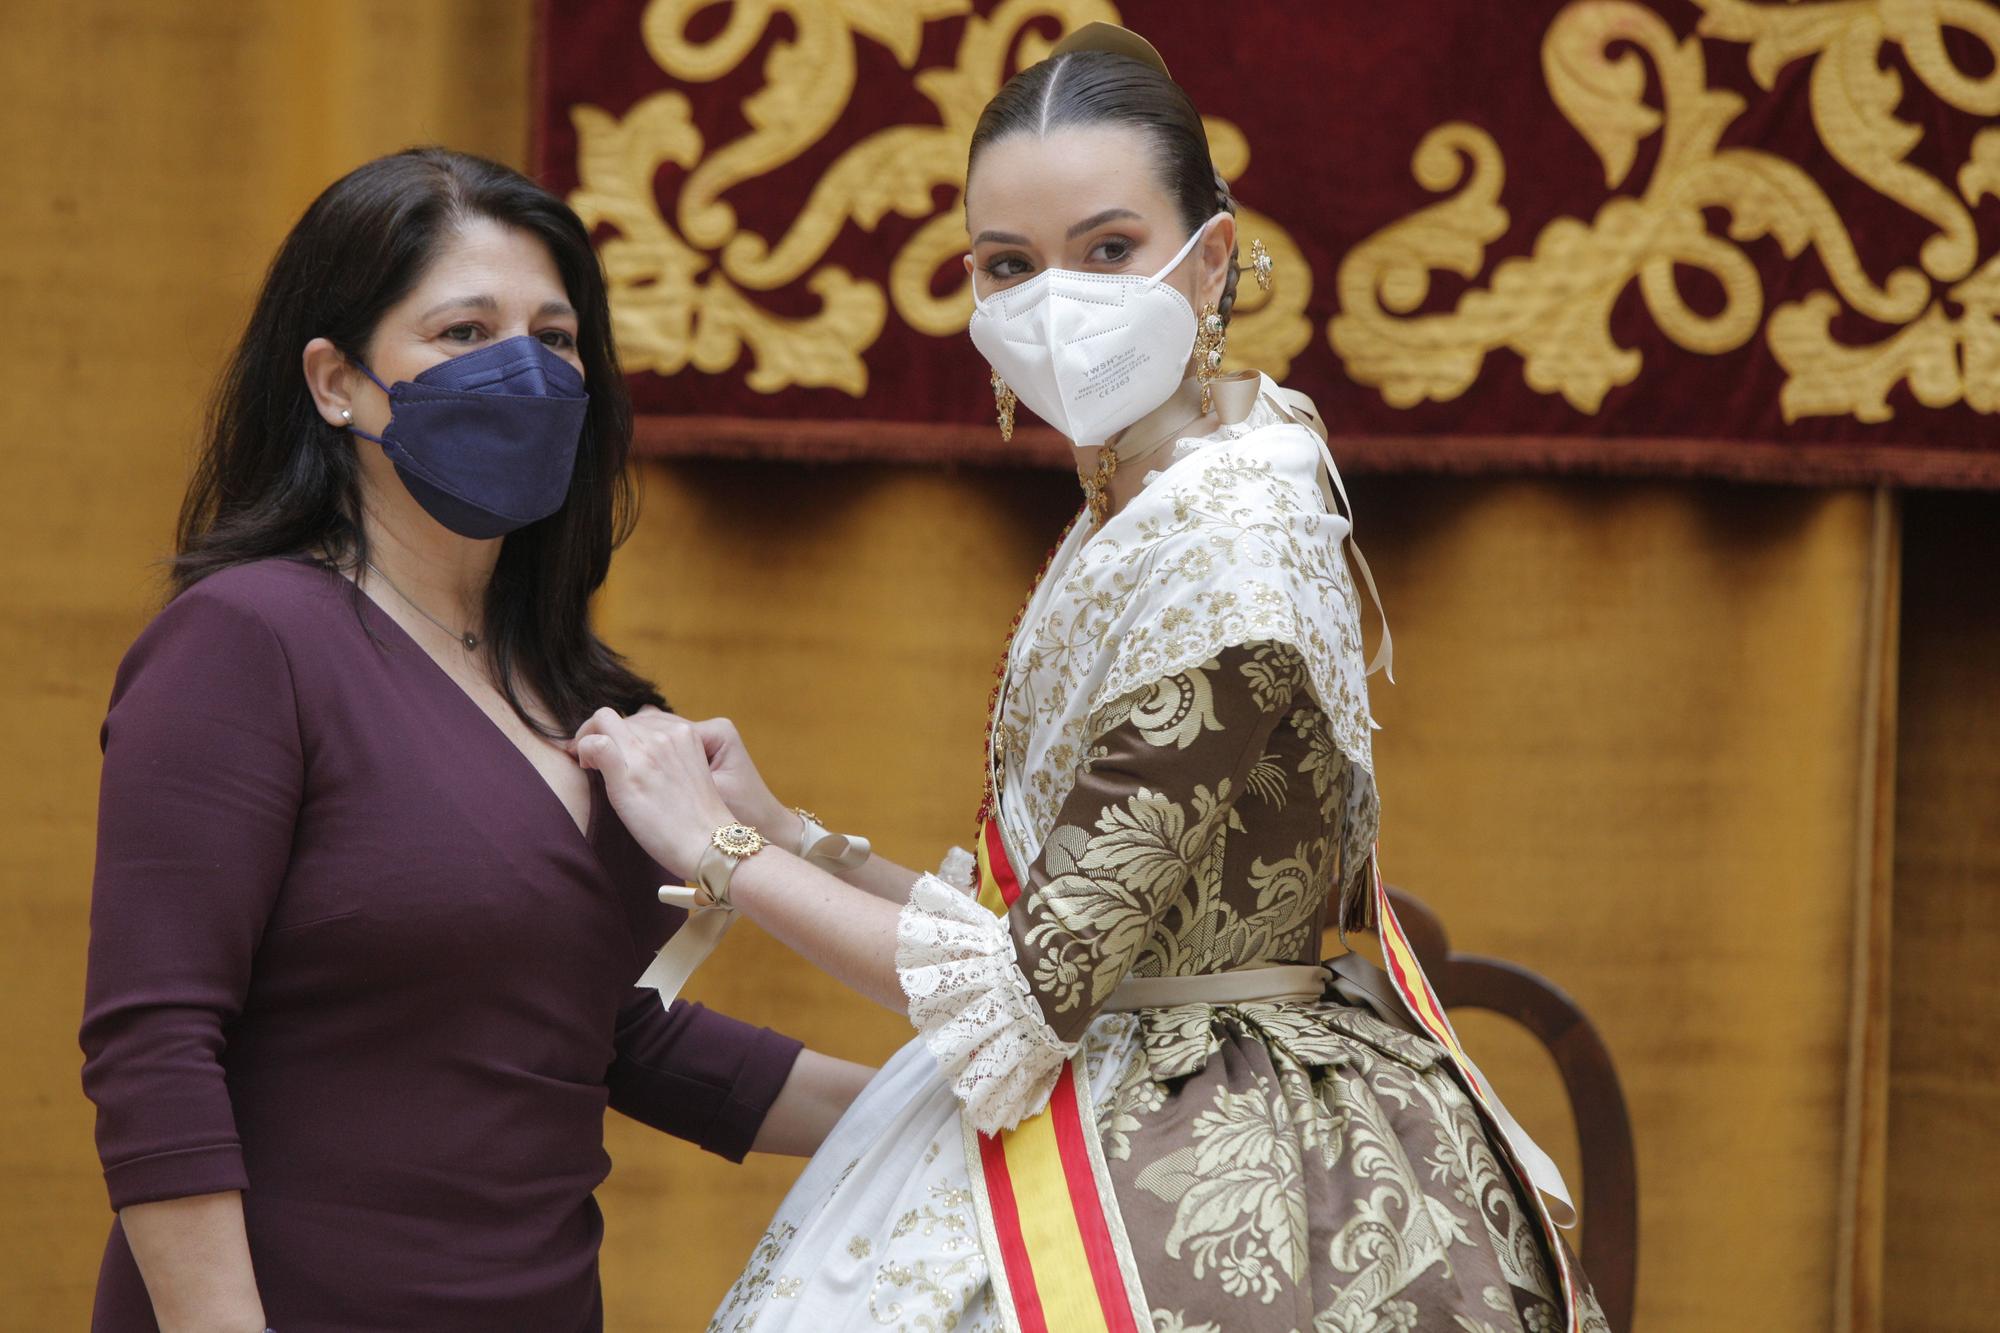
[{"x": 466, "y": 637}]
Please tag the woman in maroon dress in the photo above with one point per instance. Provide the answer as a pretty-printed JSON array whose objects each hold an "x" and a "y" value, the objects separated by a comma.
[{"x": 363, "y": 934}]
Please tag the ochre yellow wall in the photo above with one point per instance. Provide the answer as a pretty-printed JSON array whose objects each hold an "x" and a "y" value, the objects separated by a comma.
[{"x": 1626, "y": 749}]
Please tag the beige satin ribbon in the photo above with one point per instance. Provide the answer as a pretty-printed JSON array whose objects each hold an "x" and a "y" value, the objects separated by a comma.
[
  {"x": 1301, "y": 410},
  {"x": 1360, "y": 982},
  {"x": 1269, "y": 985},
  {"x": 709, "y": 920}
]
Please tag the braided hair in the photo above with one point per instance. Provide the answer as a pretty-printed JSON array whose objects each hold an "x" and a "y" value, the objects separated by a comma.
[
  {"x": 1106, "y": 88},
  {"x": 1225, "y": 202}
]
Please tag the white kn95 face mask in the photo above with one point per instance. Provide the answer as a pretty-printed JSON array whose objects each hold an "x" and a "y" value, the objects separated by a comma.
[{"x": 1089, "y": 353}]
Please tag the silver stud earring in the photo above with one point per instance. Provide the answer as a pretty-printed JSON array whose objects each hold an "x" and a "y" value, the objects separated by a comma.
[{"x": 346, "y": 417}]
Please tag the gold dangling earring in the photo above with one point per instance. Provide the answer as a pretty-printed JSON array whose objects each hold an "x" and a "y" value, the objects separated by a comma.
[
  {"x": 1210, "y": 336},
  {"x": 1003, "y": 406}
]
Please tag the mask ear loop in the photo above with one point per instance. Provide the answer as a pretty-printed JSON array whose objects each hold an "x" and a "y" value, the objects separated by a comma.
[
  {"x": 356, "y": 430},
  {"x": 1186, "y": 250},
  {"x": 363, "y": 367}
]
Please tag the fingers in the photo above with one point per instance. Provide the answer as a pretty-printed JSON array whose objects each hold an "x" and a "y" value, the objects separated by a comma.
[
  {"x": 598, "y": 724},
  {"x": 602, "y": 754},
  {"x": 650, "y": 726},
  {"x": 660, "y": 739},
  {"x": 606, "y": 743},
  {"x": 717, "y": 734}
]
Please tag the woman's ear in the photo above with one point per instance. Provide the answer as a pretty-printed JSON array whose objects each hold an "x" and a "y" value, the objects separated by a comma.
[
  {"x": 328, "y": 379},
  {"x": 1217, "y": 255}
]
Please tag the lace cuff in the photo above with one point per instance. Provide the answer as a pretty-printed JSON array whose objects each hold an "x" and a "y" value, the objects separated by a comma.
[
  {"x": 958, "y": 870},
  {"x": 972, "y": 1004}
]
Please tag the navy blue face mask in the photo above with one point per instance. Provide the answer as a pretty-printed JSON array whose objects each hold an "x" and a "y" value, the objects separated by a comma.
[{"x": 486, "y": 441}]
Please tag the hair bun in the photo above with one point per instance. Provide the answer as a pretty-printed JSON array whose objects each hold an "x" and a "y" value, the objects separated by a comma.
[
  {"x": 1224, "y": 199},
  {"x": 1110, "y": 37}
]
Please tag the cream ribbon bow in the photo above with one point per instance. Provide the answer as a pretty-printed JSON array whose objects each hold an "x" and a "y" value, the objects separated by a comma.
[{"x": 707, "y": 922}]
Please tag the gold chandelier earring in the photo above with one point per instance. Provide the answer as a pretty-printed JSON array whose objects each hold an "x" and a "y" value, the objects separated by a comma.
[
  {"x": 1003, "y": 407},
  {"x": 1212, "y": 331},
  {"x": 1211, "y": 334}
]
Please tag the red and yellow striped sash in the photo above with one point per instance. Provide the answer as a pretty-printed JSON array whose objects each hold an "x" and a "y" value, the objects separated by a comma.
[
  {"x": 997, "y": 886},
  {"x": 1406, "y": 974},
  {"x": 1057, "y": 1245},
  {"x": 1054, "y": 1239}
]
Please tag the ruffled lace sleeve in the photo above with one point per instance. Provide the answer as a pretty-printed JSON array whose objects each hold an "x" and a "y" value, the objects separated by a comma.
[{"x": 970, "y": 999}]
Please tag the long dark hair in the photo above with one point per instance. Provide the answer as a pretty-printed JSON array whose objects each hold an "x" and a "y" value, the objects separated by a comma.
[
  {"x": 274, "y": 479},
  {"x": 1106, "y": 88}
]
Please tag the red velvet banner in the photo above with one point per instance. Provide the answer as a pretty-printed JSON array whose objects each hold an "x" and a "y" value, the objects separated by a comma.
[{"x": 1736, "y": 238}]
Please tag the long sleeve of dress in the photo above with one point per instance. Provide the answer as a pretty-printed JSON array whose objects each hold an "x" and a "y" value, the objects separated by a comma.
[
  {"x": 1003, "y": 1004},
  {"x": 203, "y": 772},
  {"x": 685, "y": 1070},
  {"x": 696, "y": 1074}
]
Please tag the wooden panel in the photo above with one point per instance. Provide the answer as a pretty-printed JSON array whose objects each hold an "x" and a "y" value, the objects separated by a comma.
[
  {"x": 1864, "y": 1128},
  {"x": 1944, "y": 1101},
  {"x": 1625, "y": 753}
]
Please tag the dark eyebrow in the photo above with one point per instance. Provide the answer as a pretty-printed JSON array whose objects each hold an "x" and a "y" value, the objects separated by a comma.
[
  {"x": 999, "y": 238},
  {"x": 462, "y": 302},
  {"x": 549, "y": 310},
  {"x": 1093, "y": 223}
]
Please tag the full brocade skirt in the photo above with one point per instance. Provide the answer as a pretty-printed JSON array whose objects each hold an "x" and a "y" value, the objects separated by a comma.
[{"x": 1277, "y": 1167}]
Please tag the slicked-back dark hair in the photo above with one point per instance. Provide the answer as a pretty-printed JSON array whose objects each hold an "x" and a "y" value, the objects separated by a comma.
[
  {"x": 274, "y": 479},
  {"x": 1105, "y": 88}
]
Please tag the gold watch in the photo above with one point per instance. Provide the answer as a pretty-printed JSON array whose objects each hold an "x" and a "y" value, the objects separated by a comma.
[{"x": 727, "y": 847}]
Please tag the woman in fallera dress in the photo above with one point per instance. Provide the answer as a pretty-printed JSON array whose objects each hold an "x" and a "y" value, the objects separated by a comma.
[{"x": 1136, "y": 1099}]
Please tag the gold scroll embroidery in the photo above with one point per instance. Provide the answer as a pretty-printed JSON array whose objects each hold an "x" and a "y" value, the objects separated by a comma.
[
  {"x": 684, "y": 292},
  {"x": 1552, "y": 307}
]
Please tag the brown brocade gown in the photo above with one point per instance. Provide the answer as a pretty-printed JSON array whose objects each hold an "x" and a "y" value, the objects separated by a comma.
[{"x": 1181, "y": 751}]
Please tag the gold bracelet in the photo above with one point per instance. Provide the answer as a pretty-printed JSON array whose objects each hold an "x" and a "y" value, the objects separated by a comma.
[{"x": 728, "y": 847}]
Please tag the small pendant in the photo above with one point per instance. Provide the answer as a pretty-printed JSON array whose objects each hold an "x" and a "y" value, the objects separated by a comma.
[{"x": 471, "y": 642}]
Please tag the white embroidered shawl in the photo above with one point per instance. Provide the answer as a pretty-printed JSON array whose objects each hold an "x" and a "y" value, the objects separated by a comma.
[{"x": 1234, "y": 542}]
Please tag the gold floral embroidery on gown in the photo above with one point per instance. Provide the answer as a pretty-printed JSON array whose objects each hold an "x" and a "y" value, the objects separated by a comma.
[
  {"x": 1183, "y": 743},
  {"x": 1277, "y": 1166}
]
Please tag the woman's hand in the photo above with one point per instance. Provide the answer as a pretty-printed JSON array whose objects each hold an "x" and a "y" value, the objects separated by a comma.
[
  {"x": 655, "y": 769},
  {"x": 736, "y": 777}
]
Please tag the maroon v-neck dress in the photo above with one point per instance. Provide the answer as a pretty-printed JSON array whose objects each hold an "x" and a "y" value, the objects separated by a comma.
[{"x": 350, "y": 954}]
